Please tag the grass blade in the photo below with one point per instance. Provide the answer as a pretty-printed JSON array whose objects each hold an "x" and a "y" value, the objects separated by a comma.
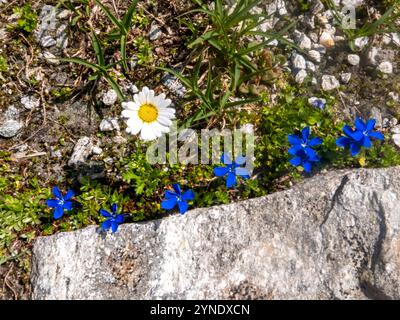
[
  {"x": 98, "y": 49},
  {"x": 110, "y": 16},
  {"x": 127, "y": 19}
]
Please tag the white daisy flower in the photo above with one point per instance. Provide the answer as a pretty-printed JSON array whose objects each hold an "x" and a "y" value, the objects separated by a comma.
[{"x": 148, "y": 114}]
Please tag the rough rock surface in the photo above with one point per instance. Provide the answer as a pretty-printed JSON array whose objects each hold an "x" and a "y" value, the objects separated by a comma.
[{"x": 335, "y": 236}]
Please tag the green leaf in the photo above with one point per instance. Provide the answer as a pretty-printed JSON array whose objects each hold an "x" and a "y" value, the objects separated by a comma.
[
  {"x": 112, "y": 18},
  {"x": 123, "y": 52},
  {"x": 127, "y": 19},
  {"x": 98, "y": 49}
]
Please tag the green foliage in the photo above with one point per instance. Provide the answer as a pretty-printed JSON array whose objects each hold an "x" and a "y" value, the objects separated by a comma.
[
  {"x": 144, "y": 50},
  {"x": 120, "y": 32},
  {"x": 222, "y": 56},
  {"x": 140, "y": 19},
  {"x": 3, "y": 64},
  {"x": 100, "y": 69},
  {"x": 384, "y": 24},
  {"x": 293, "y": 113},
  {"x": 27, "y": 20},
  {"x": 21, "y": 208},
  {"x": 122, "y": 27}
]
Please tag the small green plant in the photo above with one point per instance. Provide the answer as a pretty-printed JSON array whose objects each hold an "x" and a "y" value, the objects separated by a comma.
[
  {"x": 140, "y": 19},
  {"x": 144, "y": 49},
  {"x": 27, "y": 20},
  {"x": 122, "y": 28},
  {"x": 120, "y": 32},
  {"x": 3, "y": 66},
  {"x": 385, "y": 24},
  {"x": 100, "y": 68},
  {"x": 222, "y": 56}
]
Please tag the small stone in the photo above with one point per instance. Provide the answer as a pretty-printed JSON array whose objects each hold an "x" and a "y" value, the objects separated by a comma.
[
  {"x": 361, "y": 42},
  {"x": 386, "y": 39},
  {"x": 48, "y": 41},
  {"x": 133, "y": 89},
  {"x": 300, "y": 76},
  {"x": 353, "y": 59},
  {"x": 394, "y": 96},
  {"x": 119, "y": 140},
  {"x": 30, "y": 102},
  {"x": 55, "y": 153},
  {"x": 386, "y": 67},
  {"x": 310, "y": 66},
  {"x": 315, "y": 56},
  {"x": 326, "y": 40},
  {"x": 64, "y": 14},
  {"x": 273, "y": 43},
  {"x": 352, "y": 3},
  {"x": 313, "y": 36},
  {"x": 155, "y": 31},
  {"x": 317, "y": 7},
  {"x": 110, "y": 97},
  {"x": 62, "y": 37},
  {"x": 345, "y": 77},
  {"x": 314, "y": 81},
  {"x": 395, "y": 39},
  {"x": 11, "y": 113},
  {"x": 396, "y": 139},
  {"x": 298, "y": 61},
  {"x": 174, "y": 85},
  {"x": 10, "y": 128},
  {"x": 82, "y": 150},
  {"x": 329, "y": 83},
  {"x": 109, "y": 124},
  {"x": 97, "y": 150},
  {"x": 303, "y": 41},
  {"x": 277, "y": 6},
  {"x": 377, "y": 55},
  {"x": 376, "y": 114},
  {"x": 319, "y": 47},
  {"x": 50, "y": 58},
  {"x": 395, "y": 129}
]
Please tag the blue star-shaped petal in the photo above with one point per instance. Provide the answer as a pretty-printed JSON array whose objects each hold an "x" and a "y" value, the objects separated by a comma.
[
  {"x": 114, "y": 219},
  {"x": 302, "y": 149},
  {"x": 177, "y": 198},
  {"x": 359, "y": 137},
  {"x": 60, "y": 203},
  {"x": 232, "y": 169}
]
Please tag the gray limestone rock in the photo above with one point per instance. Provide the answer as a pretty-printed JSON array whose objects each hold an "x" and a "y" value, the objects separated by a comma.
[{"x": 334, "y": 236}]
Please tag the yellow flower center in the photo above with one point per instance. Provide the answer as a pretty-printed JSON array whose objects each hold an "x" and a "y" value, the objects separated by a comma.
[{"x": 148, "y": 112}]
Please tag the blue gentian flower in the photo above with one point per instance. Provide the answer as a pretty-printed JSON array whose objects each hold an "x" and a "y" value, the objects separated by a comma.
[
  {"x": 177, "y": 198},
  {"x": 317, "y": 102},
  {"x": 232, "y": 169},
  {"x": 60, "y": 203},
  {"x": 302, "y": 149},
  {"x": 114, "y": 219},
  {"x": 360, "y": 137}
]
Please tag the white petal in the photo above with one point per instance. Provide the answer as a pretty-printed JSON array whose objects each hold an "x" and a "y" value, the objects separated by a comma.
[
  {"x": 167, "y": 112},
  {"x": 147, "y": 132},
  {"x": 156, "y": 129},
  {"x": 145, "y": 90},
  {"x": 134, "y": 124},
  {"x": 128, "y": 113},
  {"x": 164, "y": 103},
  {"x": 130, "y": 105},
  {"x": 136, "y": 99},
  {"x": 164, "y": 129},
  {"x": 159, "y": 98},
  {"x": 164, "y": 120},
  {"x": 142, "y": 98}
]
